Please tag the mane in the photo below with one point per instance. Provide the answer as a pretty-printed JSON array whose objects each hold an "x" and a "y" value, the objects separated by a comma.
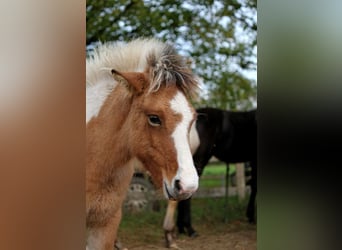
[{"x": 159, "y": 59}]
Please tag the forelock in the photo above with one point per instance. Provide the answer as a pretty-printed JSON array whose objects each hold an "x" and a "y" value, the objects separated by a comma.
[{"x": 170, "y": 68}]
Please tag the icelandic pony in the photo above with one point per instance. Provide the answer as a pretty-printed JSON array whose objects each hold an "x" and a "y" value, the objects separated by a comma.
[
  {"x": 232, "y": 138},
  {"x": 137, "y": 110}
]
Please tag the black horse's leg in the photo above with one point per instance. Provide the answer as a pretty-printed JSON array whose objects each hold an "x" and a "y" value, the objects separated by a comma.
[
  {"x": 180, "y": 216},
  {"x": 226, "y": 194},
  {"x": 251, "y": 203},
  {"x": 184, "y": 218}
]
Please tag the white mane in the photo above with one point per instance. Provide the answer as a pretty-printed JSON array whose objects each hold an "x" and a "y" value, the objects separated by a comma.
[{"x": 127, "y": 57}]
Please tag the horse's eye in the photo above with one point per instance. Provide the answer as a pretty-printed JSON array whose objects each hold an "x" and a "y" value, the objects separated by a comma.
[{"x": 154, "y": 120}]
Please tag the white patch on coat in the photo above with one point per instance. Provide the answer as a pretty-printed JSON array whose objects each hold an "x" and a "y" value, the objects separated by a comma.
[
  {"x": 96, "y": 96},
  {"x": 194, "y": 139},
  {"x": 186, "y": 173},
  {"x": 125, "y": 57}
]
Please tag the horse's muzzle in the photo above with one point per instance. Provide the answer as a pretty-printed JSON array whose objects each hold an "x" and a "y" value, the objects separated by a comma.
[{"x": 176, "y": 193}]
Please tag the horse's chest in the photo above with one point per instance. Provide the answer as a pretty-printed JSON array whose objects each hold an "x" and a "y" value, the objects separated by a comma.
[
  {"x": 101, "y": 209},
  {"x": 106, "y": 199}
]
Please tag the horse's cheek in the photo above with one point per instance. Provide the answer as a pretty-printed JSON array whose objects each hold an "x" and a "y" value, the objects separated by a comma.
[{"x": 140, "y": 144}]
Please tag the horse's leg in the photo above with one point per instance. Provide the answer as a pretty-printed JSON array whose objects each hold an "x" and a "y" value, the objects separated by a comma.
[
  {"x": 118, "y": 245},
  {"x": 184, "y": 218},
  {"x": 226, "y": 194},
  {"x": 251, "y": 203},
  {"x": 180, "y": 217},
  {"x": 169, "y": 224},
  {"x": 103, "y": 238}
]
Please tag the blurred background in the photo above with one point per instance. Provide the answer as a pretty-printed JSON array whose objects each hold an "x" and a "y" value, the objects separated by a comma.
[{"x": 219, "y": 37}]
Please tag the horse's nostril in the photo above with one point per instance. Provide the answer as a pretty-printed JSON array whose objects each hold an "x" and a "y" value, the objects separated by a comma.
[{"x": 178, "y": 185}]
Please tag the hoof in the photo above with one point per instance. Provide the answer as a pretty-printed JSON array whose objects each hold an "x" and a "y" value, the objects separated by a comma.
[
  {"x": 169, "y": 239},
  {"x": 194, "y": 234},
  {"x": 191, "y": 232},
  {"x": 251, "y": 221},
  {"x": 174, "y": 246},
  {"x": 118, "y": 246}
]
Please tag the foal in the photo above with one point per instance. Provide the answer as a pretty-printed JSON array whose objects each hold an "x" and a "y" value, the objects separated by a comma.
[{"x": 137, "y": 110}]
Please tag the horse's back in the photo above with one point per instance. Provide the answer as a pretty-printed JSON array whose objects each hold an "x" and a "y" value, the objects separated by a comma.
[
  {"x": 239, "y": 137},
  {"x": 231, "y": 135}
]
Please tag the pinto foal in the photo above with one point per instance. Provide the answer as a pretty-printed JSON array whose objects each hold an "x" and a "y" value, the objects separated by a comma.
[{"x": 137, "y": 110}]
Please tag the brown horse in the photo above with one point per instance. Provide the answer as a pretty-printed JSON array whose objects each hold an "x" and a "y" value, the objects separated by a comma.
[{"x": 137, "y": 110}]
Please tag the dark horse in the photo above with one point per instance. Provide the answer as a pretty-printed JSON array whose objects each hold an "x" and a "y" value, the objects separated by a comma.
[{"x": 232, "y": 138}]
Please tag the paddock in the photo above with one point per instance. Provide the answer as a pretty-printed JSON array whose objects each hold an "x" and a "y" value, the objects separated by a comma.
[
  {"x": 142, "y": 231},
  {"x": 143, "y": 196},
  {"x": 219, "y": 226}
]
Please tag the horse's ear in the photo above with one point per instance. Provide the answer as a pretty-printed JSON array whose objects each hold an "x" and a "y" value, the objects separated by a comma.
[{"x": 135, "y": 81}]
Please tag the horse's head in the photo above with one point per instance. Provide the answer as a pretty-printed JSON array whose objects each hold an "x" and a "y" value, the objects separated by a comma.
[{"x": 158, "y": 126}]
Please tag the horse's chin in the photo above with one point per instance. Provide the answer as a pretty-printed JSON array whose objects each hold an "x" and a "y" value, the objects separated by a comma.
[{"x": 184, "y": 196}]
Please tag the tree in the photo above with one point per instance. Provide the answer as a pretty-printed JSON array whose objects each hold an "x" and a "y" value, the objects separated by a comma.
[{"x": 219, "y": 36}]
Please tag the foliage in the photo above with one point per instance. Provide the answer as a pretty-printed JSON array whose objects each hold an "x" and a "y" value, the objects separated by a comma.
[{"x": 219, "y": 36}]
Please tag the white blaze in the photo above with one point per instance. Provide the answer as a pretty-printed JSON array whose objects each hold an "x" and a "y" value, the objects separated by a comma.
[{"x": 186, "y": 170}]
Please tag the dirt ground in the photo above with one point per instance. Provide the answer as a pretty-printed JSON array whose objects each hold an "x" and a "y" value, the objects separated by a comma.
[{"x": 241, "y": 236}]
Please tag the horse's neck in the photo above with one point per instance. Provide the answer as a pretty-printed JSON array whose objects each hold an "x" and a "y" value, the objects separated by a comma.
[{"x": 106, "y": 136}]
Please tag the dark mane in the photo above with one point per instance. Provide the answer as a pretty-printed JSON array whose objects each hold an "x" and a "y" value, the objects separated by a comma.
[{"x": 172, "y": 68}]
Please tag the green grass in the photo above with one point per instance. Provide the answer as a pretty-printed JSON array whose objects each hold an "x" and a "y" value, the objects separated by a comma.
[
  {"x": 211, "y": 183},
  {"x": 205, "y": 210},
  {"x": 218, "y": 168},
  {"x": 214, "y": 175},
  {"x": 207, "y": 214},
  {"x": 214, "y": 210}
]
